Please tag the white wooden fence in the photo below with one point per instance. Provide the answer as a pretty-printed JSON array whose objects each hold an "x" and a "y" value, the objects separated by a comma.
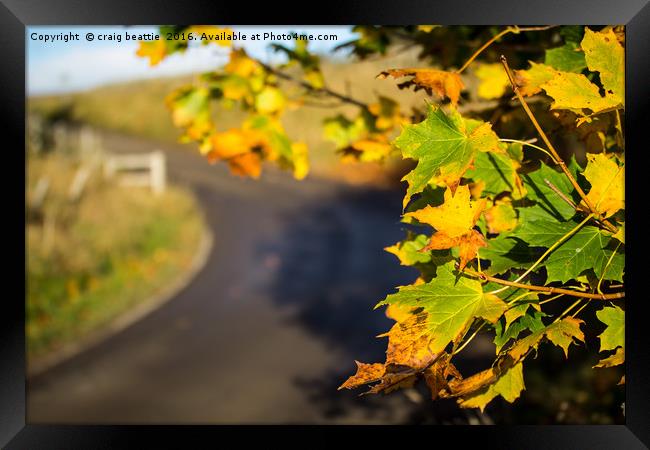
[
  {"x": 140, "y": 169},
  {"x": 144, "y": 169}
]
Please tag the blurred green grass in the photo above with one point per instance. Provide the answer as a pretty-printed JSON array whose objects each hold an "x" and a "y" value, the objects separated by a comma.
[{"x": 91, "y": 260}]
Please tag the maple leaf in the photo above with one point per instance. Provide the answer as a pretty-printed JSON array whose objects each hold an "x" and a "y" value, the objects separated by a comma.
[
  {"x": 531, "y": 322},
  {"x": 509, "y": 386},
  {"x": 240, "y": 64},
  {"x": 246, "y": 165},
  {"x": 537, "y": 188},
  {"x": 568, "y": 58},
  {"x": 444, "y": 146},
  {"x": 497, "y": 172},
  {"x": 456, "y": 216},
  {"x": 270, "y": 100},
  {"x": 366, "y": 373},
  {"x": 500, "y": 218},
  {"x": 444, "y": 84},
  {"x": 614, "y": 334},
  {"x": 507, "y": 252},
  {"x": 409, "y": 251},
  {"x": 586, "y": 249},
  {"x": 212, "y": 33},
  {"x": 154, "y": 50},
  {"x": 561, "y": 333},
  {"x": 530, "y": 81},
  {"x": 437, "y": 375},
  {"x": 372, "y": 150},
  {"x": 574, "y": 91},
  {"x": 454, "y": 221},
  {"x": 449, "y": 304},
  {"x": 620, "y": 234},
  {"x": 605, "y": 54},
  {"x": 408, "y": 342},
  {"x": 607, "y": 184},
  {"x": 493, "y": 80},
  {"x": 615, "y": 359},
  {"x": 236, "y": 141}
]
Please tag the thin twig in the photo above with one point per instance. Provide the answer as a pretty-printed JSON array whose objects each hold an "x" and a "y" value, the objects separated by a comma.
[
  {"x": 560, "y": 194},
  {"x": 323, "y": 90},
  {"x": 547, "y": 289},
  {"x": 554, "y": 152},
  {"x": 514, "y": 29}
]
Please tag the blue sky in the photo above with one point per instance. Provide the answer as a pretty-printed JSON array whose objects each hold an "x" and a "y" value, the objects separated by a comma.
[{"x": 58, "y": 67}]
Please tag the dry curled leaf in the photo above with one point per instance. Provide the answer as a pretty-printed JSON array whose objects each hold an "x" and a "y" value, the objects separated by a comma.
[{"x": 443, "y": 84}]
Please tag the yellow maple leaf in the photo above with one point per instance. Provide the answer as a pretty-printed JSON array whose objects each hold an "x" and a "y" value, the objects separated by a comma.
[
  {"x": 228, "y": 144},
  {"x": 454, "y": 221},
  {"x": 456, "y": 216},
  {"x": 530, "y": 81},
  {"x": 444, "y": 84},
  {"x": 240, "y": 64},
  {"x": 246, "y": 165},
  {"x": 605, "y": 54},
  {"x": 500, "y": 217},
  {"x": 606, "y": 177},
  {"x": 575, "y": 92},
  {"x": 154, "y": 50},
  {"x": 493, "y": 80},
  {"x": 300, "y": 160},
  {"x": 212, "y": 33},
  {"x": 270, "y": 100}
]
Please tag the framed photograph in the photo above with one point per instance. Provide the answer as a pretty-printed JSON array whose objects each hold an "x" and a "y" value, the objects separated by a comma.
[{"x": 316, "y": 216}]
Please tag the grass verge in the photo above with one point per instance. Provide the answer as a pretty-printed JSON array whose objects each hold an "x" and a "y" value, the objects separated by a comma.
[{"x": 90, "y": 260}]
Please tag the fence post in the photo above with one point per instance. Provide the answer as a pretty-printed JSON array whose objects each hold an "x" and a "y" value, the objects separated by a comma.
[{"x": 158, "y": 172}]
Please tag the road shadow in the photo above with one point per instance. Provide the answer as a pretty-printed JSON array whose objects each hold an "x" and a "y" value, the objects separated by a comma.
[{"x": 332, "y": 272}]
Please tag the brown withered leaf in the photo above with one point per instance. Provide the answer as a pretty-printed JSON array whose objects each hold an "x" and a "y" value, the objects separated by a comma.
[
  {"x": 408, "y": 342},
  {"x": 438, "y": 374},
  {"x": 366, "y": 373},
  {"x": 442, "y": 83}
]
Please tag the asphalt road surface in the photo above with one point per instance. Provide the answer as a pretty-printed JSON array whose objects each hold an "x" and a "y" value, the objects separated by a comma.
[{"x": 271, "y": 325}]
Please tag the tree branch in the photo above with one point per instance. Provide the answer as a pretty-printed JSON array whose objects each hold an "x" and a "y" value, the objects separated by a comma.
[
  {"x": 331, "y": 93},
  {"x": 546, "y": 289}
]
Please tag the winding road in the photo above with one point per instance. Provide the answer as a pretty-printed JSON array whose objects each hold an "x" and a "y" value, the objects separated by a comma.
[{"x": 270, "y": 326}]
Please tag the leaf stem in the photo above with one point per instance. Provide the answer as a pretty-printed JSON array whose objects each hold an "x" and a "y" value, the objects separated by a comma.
[
  {"x": 469, "y": 339},
  {"x": 529, "y": 144},
  {"x": 554, "y": 152},
  {"x": 609, "y": 261}
]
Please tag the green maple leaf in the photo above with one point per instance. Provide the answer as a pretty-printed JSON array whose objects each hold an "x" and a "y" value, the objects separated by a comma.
[
  {"x": 408, "y": 251},
  {"x": 531, "y": 322},
  {"x": 444, "y": 146},
  {"x": 584, "y": 250},
  {"x": 562, "y": 333},
  {"x": 544, "y": 195},
  {"x": 451, "y": 302},
  {"x": 505, "y": 252},
  {"x": 542, "y": 233},
  {"x": 496, "y": 171},
  {"x": 614, "y": 334},
  {"x": 568, "y": 58}
]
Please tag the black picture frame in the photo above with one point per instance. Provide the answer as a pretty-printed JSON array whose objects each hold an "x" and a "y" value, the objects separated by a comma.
[{"x": 15, "y": 15}]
